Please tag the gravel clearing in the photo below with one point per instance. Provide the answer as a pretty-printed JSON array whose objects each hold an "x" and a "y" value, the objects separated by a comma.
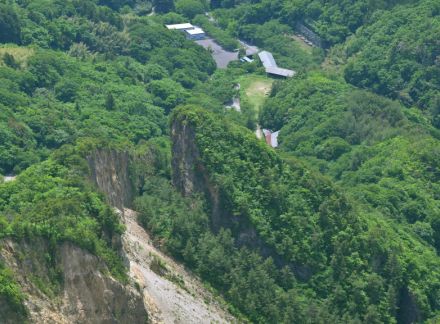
[
  {"x": 221, "y": 56},
  {"x": 165, "y": 300}
]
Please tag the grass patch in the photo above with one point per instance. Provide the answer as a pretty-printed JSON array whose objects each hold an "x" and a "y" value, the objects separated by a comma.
[
  {"x": 254, "y": 89},
  {"x": 302, "y": 44}
]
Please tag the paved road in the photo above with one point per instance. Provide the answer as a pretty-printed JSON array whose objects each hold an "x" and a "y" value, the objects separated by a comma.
[
  {"x": 250, "y": 49},
  {"x": 220, "y": 55}
]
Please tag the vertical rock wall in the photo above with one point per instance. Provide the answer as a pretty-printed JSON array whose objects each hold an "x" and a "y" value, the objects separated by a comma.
[{"x": 110, "y": 172}]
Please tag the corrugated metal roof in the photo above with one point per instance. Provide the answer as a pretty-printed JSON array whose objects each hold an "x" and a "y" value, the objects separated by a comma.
[
  {"x": 280, "y": 71},
  {"x": 271, "y": 66},
  {"x": 267, "y": 59}
]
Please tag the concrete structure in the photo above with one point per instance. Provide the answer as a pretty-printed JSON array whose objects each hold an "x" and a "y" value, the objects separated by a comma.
[
  {"x": 195, "y": 33},
  {"x": 310, "y": 35},
  {"x": 271, "y": 66},
  {"x": 181, "y": 27}
]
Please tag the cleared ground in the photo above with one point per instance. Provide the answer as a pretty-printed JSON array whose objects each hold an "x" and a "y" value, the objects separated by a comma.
[
  {"x": 255, "y": 89},
  {"x": 171, "y": 294}
]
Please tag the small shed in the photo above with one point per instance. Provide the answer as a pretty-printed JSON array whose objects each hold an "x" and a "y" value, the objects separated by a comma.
[{"x": 271, "y": 138}]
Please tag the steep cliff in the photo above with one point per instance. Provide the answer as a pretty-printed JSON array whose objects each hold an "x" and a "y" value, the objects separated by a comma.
[
  {"x": 171, "y": 295},
  {"x": 66, "y": 284},
  {"x": 282, "y": 209},
  {"x": 190, "y": 176},
  {"x": 109, "y": 170}
]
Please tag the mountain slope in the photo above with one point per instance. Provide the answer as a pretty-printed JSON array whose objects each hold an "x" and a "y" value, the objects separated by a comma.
[{"x": 286, "y": 212}]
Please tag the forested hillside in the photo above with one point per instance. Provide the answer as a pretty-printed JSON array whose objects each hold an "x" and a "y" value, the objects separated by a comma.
[
  {"x": 103, "y": 107},
  {"x": 397, "y": 55},
  {"x": 393, "y": 49},
  {"x": 384, "y": 154}
]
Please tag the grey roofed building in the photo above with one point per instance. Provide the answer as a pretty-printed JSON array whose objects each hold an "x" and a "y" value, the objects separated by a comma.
[
  {"x": 271, "y": 66},
  {"x": 195, "y": 33},
  {"x": 267, "y": 59},
  {"x": 280, "y": 71}
]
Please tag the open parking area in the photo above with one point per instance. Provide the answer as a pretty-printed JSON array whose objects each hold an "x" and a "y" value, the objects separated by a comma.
[{"x": 220, "y": 55}]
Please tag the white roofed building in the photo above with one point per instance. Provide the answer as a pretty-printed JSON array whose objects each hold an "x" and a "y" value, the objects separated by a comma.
[
  {"x": 195, "y": 33},
  {"x": 192, "y": 32},
  {"x": 180, "y": 26}
]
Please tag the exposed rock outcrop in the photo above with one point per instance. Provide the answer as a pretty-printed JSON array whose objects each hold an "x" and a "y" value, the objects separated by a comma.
[
  {"x": 174, "y": 296},
  {"x": 190, "y": 177},
  {"x": 171, "y": 295},
  {"x": 84, "y": 292},
  {"x": 109, "y": 170}
]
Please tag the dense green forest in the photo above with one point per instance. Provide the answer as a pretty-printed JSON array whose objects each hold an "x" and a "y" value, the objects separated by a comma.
[
  {"x": 385, "y": 155},
  {"x": 393, "y": 49},
  {"x": 345, "y": 213}
]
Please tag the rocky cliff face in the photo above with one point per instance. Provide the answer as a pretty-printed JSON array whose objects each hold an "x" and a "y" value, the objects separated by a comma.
[
  {"x": 84, "y": 292},
  {"x": 109, "y": 170},
  {"x": 190, "y": 176},
  {"x": 171, "y": 297}
]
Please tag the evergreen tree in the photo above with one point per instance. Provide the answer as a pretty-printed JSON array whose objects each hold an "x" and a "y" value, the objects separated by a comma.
[
  {"x": 110, "y": 102},
  {"x": 10, "y": 28},
  {"x": 10, "y": 61}
]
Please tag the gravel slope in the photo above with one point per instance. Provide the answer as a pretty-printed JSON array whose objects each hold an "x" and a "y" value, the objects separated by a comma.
[{"x": 165, "y": 300}]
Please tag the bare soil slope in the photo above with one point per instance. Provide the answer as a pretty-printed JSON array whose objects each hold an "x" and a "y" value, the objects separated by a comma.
[{"x": 171, "y": 294}]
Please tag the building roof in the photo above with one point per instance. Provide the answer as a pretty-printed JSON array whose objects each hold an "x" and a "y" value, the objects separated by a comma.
[
  {"x": 280, "y": 71},
  {"x": 271, "y": 66},
  {"x": 180, "y": 26},
  {"x": 195, "y": 31},
  {"x": 271, "y": 138},
  {"x": 267, "y": 59}
]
